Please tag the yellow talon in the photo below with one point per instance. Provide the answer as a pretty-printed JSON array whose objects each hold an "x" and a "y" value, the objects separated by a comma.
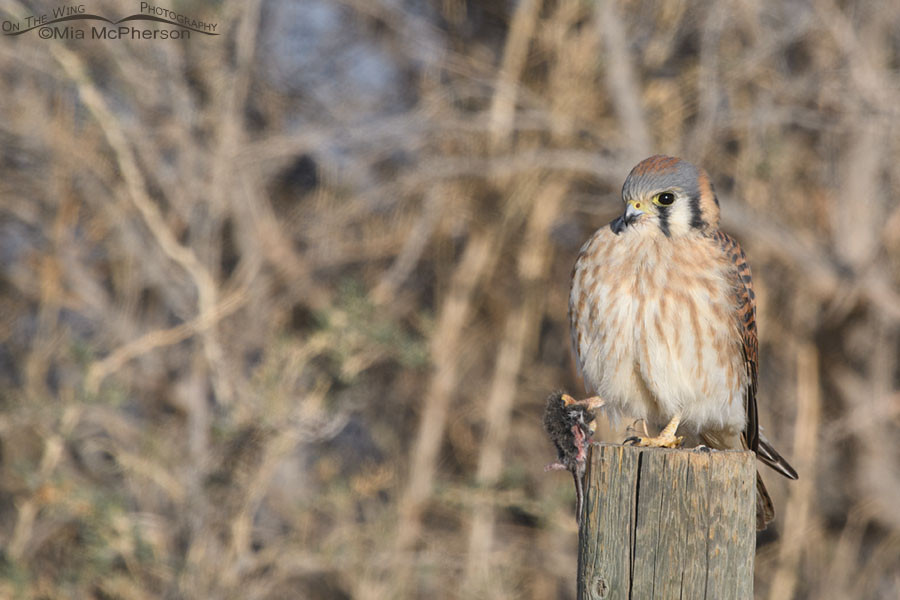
[{"x": 665, "y": 439}]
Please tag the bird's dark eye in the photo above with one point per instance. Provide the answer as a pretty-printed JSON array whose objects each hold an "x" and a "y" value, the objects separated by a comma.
[{"x": 664, "y": 199}]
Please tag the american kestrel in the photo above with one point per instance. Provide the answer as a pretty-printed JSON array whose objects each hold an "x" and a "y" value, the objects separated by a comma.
[{"x": 663, "y": 318}]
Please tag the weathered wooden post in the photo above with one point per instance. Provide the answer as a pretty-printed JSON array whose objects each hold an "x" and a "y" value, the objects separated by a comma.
[{"x": 664, "y": 524}]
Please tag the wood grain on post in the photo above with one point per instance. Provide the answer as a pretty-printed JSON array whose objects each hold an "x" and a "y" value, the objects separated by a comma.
[{"x": 663, "y": 524}]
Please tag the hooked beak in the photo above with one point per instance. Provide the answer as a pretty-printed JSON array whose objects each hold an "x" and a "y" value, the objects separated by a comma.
[{"x": 633, "y": 211}]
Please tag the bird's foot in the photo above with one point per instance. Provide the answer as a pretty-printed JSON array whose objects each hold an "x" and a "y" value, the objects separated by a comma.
[
  {"x": 661, "y": 441},
  {"x": 637, "y": 427},
  {"x": 665, "y": 439}
]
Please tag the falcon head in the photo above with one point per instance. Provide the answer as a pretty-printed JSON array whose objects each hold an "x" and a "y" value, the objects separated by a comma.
[{"x": 670, "y": 194}]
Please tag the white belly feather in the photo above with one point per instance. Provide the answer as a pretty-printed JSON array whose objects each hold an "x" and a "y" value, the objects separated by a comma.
[{"x": 656, "y": 333}]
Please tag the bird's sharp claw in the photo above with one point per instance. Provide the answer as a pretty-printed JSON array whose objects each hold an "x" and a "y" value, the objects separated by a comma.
[{"x": 662, "y": 441}]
